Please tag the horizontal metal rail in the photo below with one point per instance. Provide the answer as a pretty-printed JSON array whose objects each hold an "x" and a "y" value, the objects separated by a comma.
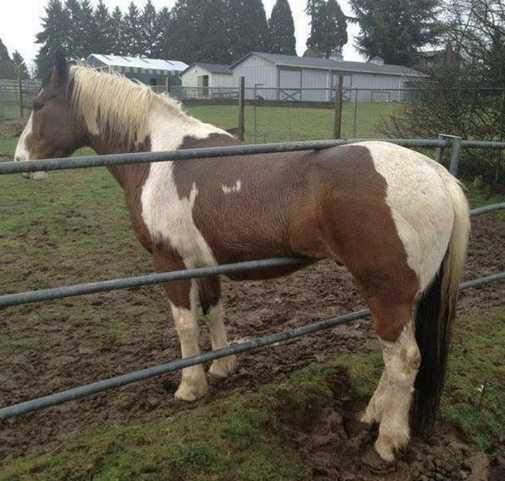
[
  {"x": 144, "y": 280},
  {"x": 482, "y": 144},
  {"x": 90, "y": 161},
  {"x": 246, "y": 346},
  {"x": 42, "y": 295}
]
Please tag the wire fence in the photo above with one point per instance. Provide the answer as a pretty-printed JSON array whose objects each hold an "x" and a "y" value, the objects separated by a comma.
[
  {"x": 16, "y": 98},
  {"x": 455, "y": 144},
  {"x": 287, "y": 114}
]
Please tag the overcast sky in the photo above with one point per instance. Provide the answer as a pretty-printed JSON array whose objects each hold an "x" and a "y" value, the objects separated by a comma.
[{"x": 20, "y": 21}]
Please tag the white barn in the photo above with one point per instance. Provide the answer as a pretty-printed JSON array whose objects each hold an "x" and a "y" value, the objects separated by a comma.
[
  {"x": 207, "y": 79},
  {"x": 284, "y": 77}
]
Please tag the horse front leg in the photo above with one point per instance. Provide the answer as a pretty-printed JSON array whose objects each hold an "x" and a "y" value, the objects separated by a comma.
[
  {"x": 220, "y": 368},
  {"x": 212, "y": 306},
  {"x": 185, "y": 305},
  {"x": 193, "y": 384}
]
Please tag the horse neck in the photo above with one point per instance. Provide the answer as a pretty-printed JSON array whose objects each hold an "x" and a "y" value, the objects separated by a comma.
[{"x": 168, "y": 129}]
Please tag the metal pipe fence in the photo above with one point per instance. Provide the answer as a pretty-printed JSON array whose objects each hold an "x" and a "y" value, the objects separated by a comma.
[{"x": 150, "y": 279}]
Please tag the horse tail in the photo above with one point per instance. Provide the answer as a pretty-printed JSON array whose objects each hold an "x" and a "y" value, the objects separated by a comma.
[{"x": 435, "y": 312}]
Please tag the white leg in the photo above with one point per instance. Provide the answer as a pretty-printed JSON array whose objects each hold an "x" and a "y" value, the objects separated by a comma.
[
  {"x": 194, "y": 382},
  {"x": 401, "y": 360},
  {"x": 373, "y": 412},
  {"x": 224, "y": 366}
]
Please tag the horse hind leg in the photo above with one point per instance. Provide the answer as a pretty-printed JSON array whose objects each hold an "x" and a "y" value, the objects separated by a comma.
[
  {"x": 390, "y": 405},
  {"x": 373, "y": 412}
]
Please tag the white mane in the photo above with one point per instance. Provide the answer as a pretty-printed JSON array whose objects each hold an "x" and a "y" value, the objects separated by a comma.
[{"x": 115, "y": 107}]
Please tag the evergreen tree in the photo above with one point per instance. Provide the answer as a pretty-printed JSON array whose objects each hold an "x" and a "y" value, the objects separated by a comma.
[
  {"x": 119, "y": 43},
  {"x": 247, "y": 27},
  {"x": 328, "y": 28},
  {"x": 75, "y": 29},
  {"x": 20, "y": 64},
  {"x": 164, "y": 47},
  {"x": 198, "y": 31},
  {"x": 90, "y": 36},
  {"x": 316, "y": 10},
  {"x": 7, "y": 66},
  {"x": 336, "y": 28},
  {"x": 396, "y": 29},
  {"x": 133, "y": 31},
  {"x": 54, "y": 36},
  {"x": 282, "y": 29},
  {"x": 150, "y": 32},
  {"x": 104, "y": 43}
]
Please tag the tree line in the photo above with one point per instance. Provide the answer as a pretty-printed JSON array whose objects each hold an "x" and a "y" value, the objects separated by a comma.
[
  {"x": 216, "y": 31},
  {"x": 11, "y": 67},
  {"x": 222, "y": 31}
]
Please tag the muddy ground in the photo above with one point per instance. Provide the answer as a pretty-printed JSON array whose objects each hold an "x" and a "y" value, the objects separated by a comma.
[{"x": 256, "y": 308}]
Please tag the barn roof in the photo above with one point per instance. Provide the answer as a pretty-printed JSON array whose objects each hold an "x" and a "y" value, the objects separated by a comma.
[
  {"x": 216, "y": 68},
  {"x": 142, "y": 63},
  {"x": 328, "y": 64}
]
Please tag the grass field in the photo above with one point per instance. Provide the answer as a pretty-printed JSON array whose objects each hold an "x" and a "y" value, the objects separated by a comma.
[
  {"x": 282, "y": 124},
  {"x": 77, "y": 219}
]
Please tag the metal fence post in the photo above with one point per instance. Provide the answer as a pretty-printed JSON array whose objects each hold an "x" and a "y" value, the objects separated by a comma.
[
  {"x": 455, "y": 142},
  {"x": 339, "y": 100},
  {"x": 439, "y": 151},
  {"x": 455, "y": 155},
  {"x": 241, "y": 112}
]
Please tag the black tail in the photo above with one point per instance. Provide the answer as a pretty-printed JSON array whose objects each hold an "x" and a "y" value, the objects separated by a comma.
[
  {"x": 433, "y": 319},
  {"x": 434, "y": 315}
]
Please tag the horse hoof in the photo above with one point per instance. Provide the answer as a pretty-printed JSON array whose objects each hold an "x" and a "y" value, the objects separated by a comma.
[
  {"x": 222, "y": 368},
  {"x": 191, "y": 392},
  {"x": 376, "y": 464}
]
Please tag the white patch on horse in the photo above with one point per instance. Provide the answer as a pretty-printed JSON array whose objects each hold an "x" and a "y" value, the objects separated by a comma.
[
  {"x": 168, "y": 216},
  {"x": 401, "y": 364},
  {"x": 234, "y": 189},
  {"x": 23, "y": 154},
  {"x": 420, "y": 203}
]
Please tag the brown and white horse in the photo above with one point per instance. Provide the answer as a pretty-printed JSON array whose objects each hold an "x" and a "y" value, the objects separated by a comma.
[{"x": 395, "y": 218}]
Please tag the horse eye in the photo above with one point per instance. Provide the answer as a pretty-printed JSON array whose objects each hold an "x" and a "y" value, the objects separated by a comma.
[{"x": 37, "y": 105}]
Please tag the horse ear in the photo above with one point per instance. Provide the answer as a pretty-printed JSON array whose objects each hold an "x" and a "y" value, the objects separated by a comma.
[{"x": 59, "y": 75}]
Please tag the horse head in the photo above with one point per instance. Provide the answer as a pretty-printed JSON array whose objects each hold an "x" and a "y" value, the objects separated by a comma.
[{"x": 52, "y": 130}]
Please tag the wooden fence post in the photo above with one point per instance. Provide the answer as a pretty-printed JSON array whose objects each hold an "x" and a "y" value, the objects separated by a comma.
[
  {"x": 339, "y": 99},
  {"x": 241, "y": 109},
  {"x": 20, "y": 94}
]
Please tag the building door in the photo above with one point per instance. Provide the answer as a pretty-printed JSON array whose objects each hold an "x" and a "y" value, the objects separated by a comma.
[
  {"x": 290, "y": 83},
  {"x": 203, "y": 86}
]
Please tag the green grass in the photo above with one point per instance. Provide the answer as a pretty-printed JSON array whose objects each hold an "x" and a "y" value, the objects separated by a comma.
[
  {"x": 279, "y": 124},
  {"x": 244, "y": 438}
]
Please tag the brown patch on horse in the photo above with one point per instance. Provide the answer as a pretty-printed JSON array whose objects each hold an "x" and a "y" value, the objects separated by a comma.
[
  {"x": 332, "y": 204},
  {"x": 365, "y": 236}
]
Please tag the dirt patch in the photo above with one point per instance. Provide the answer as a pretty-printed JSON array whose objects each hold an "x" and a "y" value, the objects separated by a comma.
[
  {"x": 338, "y": 447},
  {"x": 254, "y": 309}
]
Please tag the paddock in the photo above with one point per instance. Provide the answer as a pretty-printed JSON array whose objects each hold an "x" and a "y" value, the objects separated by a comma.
[{"x": 266, "y": 306}]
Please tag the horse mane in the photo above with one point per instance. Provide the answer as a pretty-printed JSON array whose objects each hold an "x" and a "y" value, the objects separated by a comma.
[{"x": 114, "y": 106}]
